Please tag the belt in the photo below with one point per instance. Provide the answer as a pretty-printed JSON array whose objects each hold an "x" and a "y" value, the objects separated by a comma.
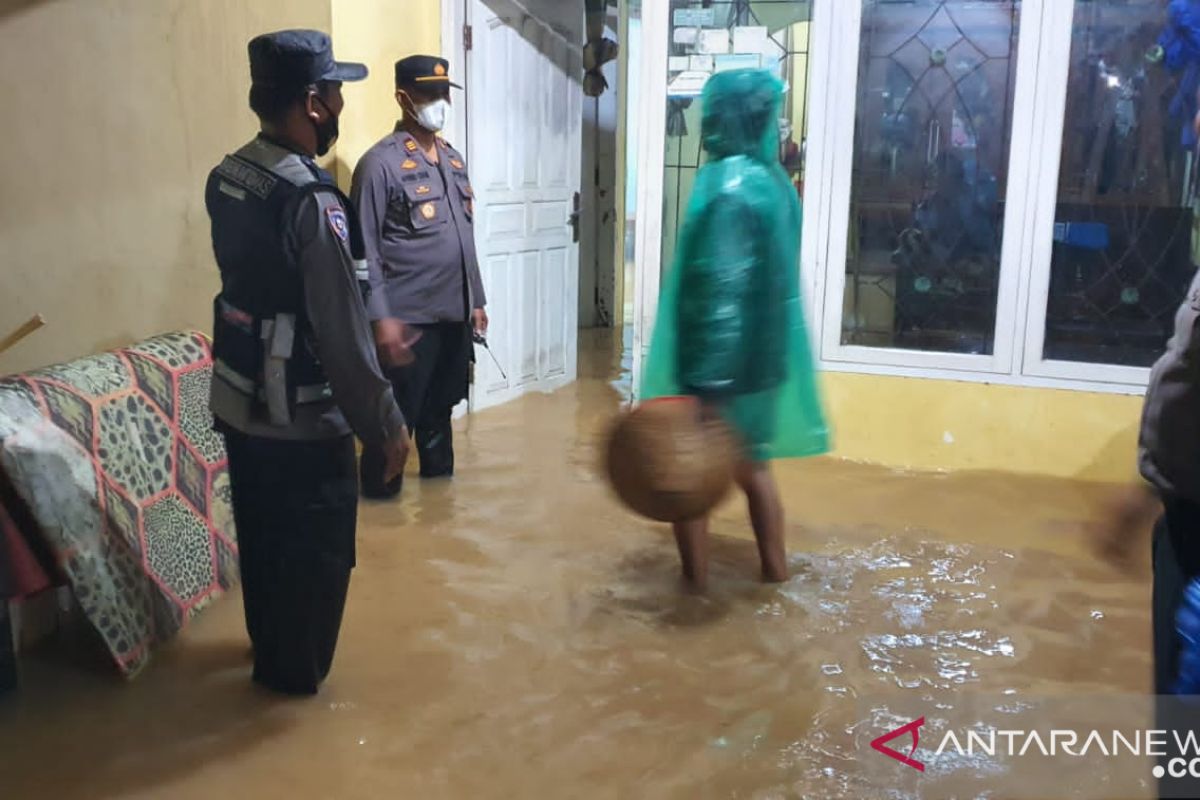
[{"x": 313, "y": 393}]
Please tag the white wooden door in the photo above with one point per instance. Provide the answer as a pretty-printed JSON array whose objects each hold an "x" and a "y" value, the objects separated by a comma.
[{"x": 524, "y": 146}]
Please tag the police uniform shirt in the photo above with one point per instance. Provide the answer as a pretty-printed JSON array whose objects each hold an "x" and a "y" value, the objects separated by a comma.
[
  {"x": 362, "y": 400},
  {"x": 1169, "y": 444},
  {"x": 418, "y": 226}
]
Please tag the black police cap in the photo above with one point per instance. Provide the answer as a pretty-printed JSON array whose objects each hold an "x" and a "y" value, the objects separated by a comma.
[
  {"x": 298, "y": 58},
  {"x": 423, "y": 71}
]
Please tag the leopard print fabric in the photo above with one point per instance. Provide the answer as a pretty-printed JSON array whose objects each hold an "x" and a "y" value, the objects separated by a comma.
[{"x": 117, "y": 460}]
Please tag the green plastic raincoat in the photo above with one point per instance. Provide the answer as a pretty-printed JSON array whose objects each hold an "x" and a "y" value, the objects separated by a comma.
[{"x": 730, "y": 326}]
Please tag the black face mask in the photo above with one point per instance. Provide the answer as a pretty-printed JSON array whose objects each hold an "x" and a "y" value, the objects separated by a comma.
[{"x": 327, "y": 131}]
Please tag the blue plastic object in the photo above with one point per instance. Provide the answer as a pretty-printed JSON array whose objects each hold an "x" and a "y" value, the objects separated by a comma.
[{"x": 1187, "y": 624}]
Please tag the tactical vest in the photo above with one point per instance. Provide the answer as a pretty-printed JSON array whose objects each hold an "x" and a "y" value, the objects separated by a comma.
[{"x": 263, "y": 340}]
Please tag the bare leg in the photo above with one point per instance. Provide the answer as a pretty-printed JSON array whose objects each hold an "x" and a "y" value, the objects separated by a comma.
[
  {"x": 766, "y": 515},
  {"x": 692, "y": 538}
]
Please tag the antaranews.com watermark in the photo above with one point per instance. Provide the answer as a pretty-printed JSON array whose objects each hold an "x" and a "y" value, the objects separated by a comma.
[{"x": 1088, "y": 746}]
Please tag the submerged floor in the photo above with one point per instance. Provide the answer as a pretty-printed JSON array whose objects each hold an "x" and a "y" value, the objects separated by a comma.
[{"x": 515, "y": 634}]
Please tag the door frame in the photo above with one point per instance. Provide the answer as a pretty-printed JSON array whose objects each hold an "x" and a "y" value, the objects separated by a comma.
[
  {"x": 651, "y": 160},
  {"x": 454, "y": 23},
  {"x": 622, "y": 156},
  {"x": 456, "y": 16}
]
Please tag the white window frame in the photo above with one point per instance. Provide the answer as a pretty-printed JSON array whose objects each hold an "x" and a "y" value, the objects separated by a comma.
[
  {"x": 1054, "y": 73},
  {"x": 1021, "y": 154},
  {"x": 1039, "y": 106}
]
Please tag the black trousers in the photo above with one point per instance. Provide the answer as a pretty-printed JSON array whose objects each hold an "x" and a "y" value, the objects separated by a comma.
[
  {"x": 1176, "y": 558},
  {"x": 295, "y": 505},
  {"x": 427, "y": 391}
]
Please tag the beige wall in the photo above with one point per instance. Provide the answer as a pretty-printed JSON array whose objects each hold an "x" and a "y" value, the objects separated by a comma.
[
  {"x": 378, "y": 33},
  {"x": 117, "y": 110}
]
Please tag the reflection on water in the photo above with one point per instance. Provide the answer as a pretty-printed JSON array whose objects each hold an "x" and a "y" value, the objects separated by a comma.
[{"x": 516, "y": 634}]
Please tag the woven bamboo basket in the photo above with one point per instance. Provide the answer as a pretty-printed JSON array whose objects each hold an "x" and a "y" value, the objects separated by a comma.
[{"x": 666, "y": 463}]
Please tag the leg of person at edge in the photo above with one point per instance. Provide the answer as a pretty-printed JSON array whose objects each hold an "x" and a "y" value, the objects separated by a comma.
[
  {"x": 414, "y": 198},
  {"x": 1169, "y": 462},
  {"x": 295, "y": 372},
  {"x": 730, "y": 327}
]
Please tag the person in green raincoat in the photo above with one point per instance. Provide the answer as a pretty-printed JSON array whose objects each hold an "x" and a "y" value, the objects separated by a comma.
[{"x": 730, "y": 328}]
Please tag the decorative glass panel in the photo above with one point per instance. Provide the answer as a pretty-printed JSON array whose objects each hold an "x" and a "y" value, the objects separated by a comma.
[
  {"x": 1123, "y": 234},
  {"x": 936, "y": 81}
]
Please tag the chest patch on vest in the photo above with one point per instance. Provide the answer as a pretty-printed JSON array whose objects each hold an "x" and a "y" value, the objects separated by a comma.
[{"x": 337, "y": 222}]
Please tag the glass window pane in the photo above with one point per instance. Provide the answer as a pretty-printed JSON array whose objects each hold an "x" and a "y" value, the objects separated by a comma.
[
  {"x": 936, "y": 81},
  {"x": 1123, "y": 223},
  {"x": 784, "y": 50}
]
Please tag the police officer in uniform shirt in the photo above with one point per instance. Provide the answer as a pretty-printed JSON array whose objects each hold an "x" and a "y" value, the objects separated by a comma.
[
  {"x": 295, "y": 367},
  {"x": 414, "y": 198}
]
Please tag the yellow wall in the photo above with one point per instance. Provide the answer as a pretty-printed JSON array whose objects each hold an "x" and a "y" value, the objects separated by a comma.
[
  {"x": 948, "y": 425},
  {"x": 379, "y": 33}
]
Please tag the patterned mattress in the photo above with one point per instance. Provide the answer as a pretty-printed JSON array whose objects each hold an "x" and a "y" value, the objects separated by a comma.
[{"x": 115, "y": 457}]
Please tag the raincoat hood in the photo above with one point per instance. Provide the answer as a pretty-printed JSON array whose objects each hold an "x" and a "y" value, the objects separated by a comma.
[{"x": 740, "y": 115}]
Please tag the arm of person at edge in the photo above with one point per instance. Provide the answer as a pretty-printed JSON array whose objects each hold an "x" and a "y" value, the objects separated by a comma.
[
  {"x": 713, "y": 311},
  {"x": 1126, "y": 518},
  {"x": 369, "y": 193},
  {"x": 339, "y": 320}
]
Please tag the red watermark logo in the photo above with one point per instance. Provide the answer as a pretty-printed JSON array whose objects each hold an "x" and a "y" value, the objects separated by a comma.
[{"x": 912, "y": 728}]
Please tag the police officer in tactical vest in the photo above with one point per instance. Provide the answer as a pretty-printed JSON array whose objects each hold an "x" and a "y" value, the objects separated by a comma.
[
  {"x": 417, "y": 207},
  {"x": 296, "y": 371}
]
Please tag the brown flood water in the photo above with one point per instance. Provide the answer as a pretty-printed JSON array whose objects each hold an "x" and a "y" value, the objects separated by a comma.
[{"x": 516, "y": 634}]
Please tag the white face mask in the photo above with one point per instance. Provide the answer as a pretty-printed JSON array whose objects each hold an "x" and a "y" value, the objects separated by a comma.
[{"x": 433, "y": 116}]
